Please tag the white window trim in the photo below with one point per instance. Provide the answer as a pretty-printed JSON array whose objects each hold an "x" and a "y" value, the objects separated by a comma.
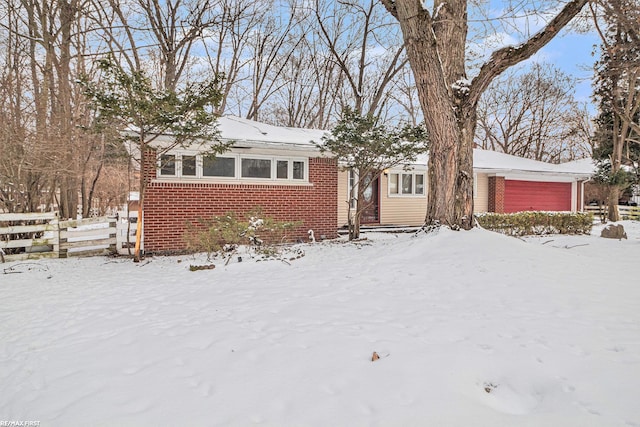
[
  {"x": 289, "y": 160},
  {"x": 237, "y": 170},
  {"x": 413, "y": 186}
]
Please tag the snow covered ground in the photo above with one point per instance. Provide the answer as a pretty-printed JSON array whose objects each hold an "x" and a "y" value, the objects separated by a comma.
[{"x": 472, "y": 328}]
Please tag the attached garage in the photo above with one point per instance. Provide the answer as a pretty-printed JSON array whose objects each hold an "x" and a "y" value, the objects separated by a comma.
[
  {"x": 536, "y": 196},
  {"x": 502, "y": 184}
]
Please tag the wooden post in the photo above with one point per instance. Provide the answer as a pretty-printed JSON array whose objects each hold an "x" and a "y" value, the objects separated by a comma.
[{"x": 136, "y": 252}]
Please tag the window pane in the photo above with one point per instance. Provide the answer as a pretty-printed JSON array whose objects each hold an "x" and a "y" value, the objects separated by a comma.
[
  {"x": 256, "y": 168},
  {"x": 219, "y": 166},
  {"x": 407, "y": 183},
  {"x": 188, "y": 165},
  {"x": 393, "y": 183},
  {"x": 298, "y": 170},
  {"x": 282, "y": 169},
  {"x": 167, "y": 164},
  {"x": 420, "y": 184}
]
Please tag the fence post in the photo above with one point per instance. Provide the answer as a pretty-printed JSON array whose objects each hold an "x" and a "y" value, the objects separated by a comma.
[
  {"x": 113, "y": 223},
  {"x": 56, "y": 233},
  {"x": 62, "y": 246}
]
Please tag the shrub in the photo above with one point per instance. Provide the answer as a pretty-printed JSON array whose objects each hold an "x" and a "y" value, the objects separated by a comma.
[
  {"x": 225, "y": 233},
  {"x": 537, "y": 223}
]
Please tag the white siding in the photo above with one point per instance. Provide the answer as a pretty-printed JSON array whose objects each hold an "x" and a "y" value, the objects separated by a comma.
[
  {"x": 481, "y": 196},
  {"x": 343, "y": 189},
  {"x": 401, "y": 210}
]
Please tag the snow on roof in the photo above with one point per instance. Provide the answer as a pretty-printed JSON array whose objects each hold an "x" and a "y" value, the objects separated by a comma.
[
  {"x": 245, "y": 132},
  {"x": 485, "y": 159},
  {"x": 496, "y": 161},
  {"x": 239, "y": 129},
  {"x": 250, "y": 132},
  {"x": 585, "y": 166}
]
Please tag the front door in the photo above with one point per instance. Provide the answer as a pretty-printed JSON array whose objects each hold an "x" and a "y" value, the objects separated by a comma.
[{"x": 371, "y": 211}]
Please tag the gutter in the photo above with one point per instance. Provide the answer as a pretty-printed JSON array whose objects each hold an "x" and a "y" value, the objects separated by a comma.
[
  {"x": 250, "y": 143},
  {"x": 537, "y": 172}
]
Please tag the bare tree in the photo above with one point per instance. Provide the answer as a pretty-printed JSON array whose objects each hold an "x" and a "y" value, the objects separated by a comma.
[
  {"x": 436, "y": 43},
  {"x": 366, "y": 47},
  {"x": 403, "y": 100},
  {"x": 618, "y": 91},
  {"x": 156, "y": 37},
  {"x": 46, "y": 41},
  {"x": 532, "y": 113},
  {"x": 176, "y": 25},
  {"x": 20, "y": 181},
  {"x": 272, "y": 45},
  {"x": 311, "y": 83},
  {"x": 225, "y": 45}
]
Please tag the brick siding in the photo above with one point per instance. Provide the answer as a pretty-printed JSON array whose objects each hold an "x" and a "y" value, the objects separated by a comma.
[
  {"x": 496, "y": 194},
  {"x": 170, "y": 206}
]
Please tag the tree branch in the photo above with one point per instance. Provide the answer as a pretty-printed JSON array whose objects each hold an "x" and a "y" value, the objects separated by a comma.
[
  {"x": 508, "y": 56},
  {"x": 390, "y": 5}
]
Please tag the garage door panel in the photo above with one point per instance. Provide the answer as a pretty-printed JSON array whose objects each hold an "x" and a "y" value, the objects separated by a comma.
[{"x": 536, "y": 196}]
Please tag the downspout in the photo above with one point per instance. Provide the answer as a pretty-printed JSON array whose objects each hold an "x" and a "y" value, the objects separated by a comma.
[{"x": 582, "y": 194}]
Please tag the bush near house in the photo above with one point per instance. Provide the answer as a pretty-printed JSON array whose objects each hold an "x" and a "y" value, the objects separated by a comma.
[
  {"x": 537, "y": 223},
  {"x": 224, "y": 233}
]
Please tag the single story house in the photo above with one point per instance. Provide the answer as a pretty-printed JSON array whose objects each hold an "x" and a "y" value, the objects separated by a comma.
[
  {"x": 282, "y": 171},
  {"x": 502, "y": 183},
  {"x": 277, "y": 169}
]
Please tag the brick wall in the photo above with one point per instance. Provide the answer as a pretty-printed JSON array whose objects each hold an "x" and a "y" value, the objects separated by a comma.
[
  {"x": 169, "y": 206},
  {"x": 496, "y": 194}
]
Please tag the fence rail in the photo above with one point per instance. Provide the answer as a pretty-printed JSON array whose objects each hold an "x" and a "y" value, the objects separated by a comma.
[
  {"x": 37, "y": 235},
  {"x": 626, "y": 212}
]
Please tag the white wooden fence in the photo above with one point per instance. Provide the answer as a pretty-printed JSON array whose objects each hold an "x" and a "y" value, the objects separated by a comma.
[
  {"x": 126, "y": 232},
  {"x": 626, "y": 212},
  {"x": 42, "y": 235}
]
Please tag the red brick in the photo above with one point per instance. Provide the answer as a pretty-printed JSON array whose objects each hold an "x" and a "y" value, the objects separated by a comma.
[{"x": 169, "y": 206}]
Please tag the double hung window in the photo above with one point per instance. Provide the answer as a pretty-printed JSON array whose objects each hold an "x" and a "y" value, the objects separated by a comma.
[{"x": 406, "y": 184}]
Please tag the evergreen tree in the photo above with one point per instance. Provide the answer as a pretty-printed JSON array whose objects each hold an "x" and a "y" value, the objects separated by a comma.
[
  {"x": 366, "y": 148},
  {"x": 142, "y": 113}
]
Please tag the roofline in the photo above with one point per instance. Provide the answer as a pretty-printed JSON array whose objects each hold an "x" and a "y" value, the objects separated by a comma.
[
  {"x": 503, "y": 170},
  {"x": 254, "y": 143}
]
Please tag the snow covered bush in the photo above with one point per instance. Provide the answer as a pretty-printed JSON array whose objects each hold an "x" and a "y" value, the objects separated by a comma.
[{"x": 537, "y": 223}]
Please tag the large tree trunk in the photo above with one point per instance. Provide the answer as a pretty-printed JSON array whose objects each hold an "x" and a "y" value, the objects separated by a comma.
[
  {"x": 464, "y": 184},
  {"x": 438, "y": 103},
  {"x": 612, "y": 203},
  {"x": 616, "y": 165},
  {"x": 435, "y": 46}
]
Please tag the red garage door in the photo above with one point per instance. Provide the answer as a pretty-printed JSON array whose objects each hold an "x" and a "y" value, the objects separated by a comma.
[{"x": 536, "y": 196}]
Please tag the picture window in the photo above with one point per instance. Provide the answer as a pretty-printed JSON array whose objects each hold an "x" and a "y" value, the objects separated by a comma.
[
  {"x": 256, "y": 168},
  {"x": 219, "y": 166}
]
